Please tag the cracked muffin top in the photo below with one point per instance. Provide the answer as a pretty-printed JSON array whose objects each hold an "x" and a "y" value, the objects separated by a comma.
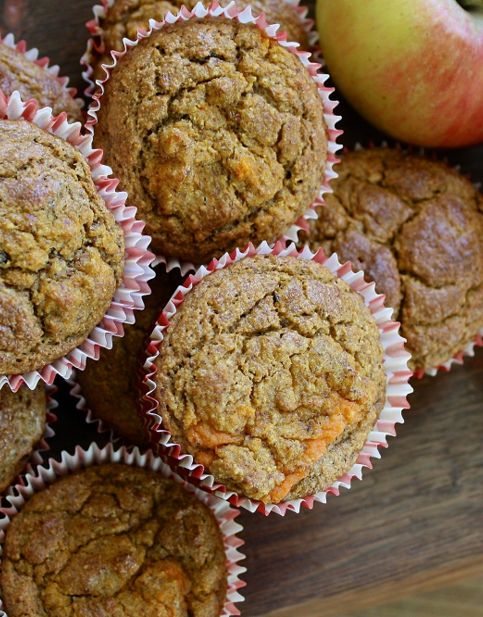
[
  {"x": 217, "y": 133},
  {"x": 125, "y": 17},
  {"x": 415, "y": 227},
  {"x": 61, "y": 250},
  {"x": 23, "y": 416},
  {"x": 114, "y": 540},
  {"x": 266, "y": 365},
  {"x": 109, "y": 383},
  {"x": 17, "y": 72}
]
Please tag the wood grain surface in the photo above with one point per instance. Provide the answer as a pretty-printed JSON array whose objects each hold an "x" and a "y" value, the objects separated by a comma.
[{"x": 416, "y": 520}]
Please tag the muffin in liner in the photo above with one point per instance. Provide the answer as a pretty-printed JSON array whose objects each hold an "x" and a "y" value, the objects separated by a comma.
[
  {"x": 137, "y": 270},
  {"x": 33, "y": 54},
  {"x": 44, "y": 475},
  {"x": 95, "y": 45},
  {"x": 244, "y": 16},
  {"x": 42, "y": 445},
  {"x": 469, "y": 349},
  {"x": 395, "y": 368}
]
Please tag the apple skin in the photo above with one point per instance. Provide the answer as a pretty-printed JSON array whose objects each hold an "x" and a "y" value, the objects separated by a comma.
[{"x": 413, "y": 68}]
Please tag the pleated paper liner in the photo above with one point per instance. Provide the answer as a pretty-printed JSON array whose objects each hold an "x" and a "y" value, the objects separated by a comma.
[
  {"x": 395, "y": 367},
  {"x": 33, "y": 54},
  {"x": 95, "y": 45},
  {"x": 83, "y": 407},
  {"x": 45, "y": 475},
  {"x": 137, "y": 271},
  {"x": 244, "y": 16},
  {"x": 469, "y": 349},
  {"x": 42, "y": 445}
]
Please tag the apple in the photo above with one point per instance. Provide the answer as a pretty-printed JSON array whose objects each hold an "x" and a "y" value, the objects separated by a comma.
[{"x": 413, "y": 68}]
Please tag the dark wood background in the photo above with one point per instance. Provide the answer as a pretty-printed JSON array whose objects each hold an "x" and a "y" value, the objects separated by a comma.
[{"x": 415, "y": 521}]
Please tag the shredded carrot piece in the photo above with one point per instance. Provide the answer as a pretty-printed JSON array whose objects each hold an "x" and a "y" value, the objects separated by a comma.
[
  {"x": 205, "y": 458},
  {"x": 282, "y": 490},
  {"x": 208, "y": 437}
]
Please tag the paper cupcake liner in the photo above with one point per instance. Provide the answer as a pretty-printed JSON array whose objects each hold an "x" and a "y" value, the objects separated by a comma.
[
  {"x": 137, "y": 270},
  {"x": 244, "y": 16},
  {"x": 395, "y": 367},
  {"x": 42, "y": 445},
  {"x": 95, "y": 44},
  {"x": 469, "y": 350},
  {"x": 81, "y": 404},
  {"x": 44, "y": 476},
  {"x": 33, "y": 54}
]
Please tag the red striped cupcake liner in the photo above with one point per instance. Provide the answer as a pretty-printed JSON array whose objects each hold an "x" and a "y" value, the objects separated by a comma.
[
  {"x": 137, "y": 271},
  {"x": 244, "y": 16},
  {"x": 45, "y": 475},
  {"x": 395, "y": 367}
]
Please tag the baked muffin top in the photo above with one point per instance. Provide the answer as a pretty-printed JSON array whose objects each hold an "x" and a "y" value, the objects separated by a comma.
[
  {"x": 265, "y": 364},
  {"x": 114, "y": 540},
  {"x": 217, "y": 133},
  {"x": 23, "y": 416},
  {"x": 125, "y": 17},
  {"x": 415, "y": 227},
  {"x": 109, "y": 383},
  {"x": 61, "y": 250},
  {"x": 17, "y": 72}
]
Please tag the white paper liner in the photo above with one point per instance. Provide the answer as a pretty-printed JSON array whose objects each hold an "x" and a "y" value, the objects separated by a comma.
[
  {"x": 43, "y": 445},
  {"x": 244, "y": 16},
  {"x": 33, "y": 54},
  {"x": 469, "y": 350},
  {"x": 95, "y": 45},
  {"x": 137, "y": 270},
  {"x": 81, "y": 404},
  {"x": 43, "y": 476},
  {"x": 395, "y": 367}
]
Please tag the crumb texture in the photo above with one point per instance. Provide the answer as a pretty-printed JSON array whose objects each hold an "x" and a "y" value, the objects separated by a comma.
[
  {"x": 61, "y": 251},
  {"x": 114, "y": 540},
  {"x": 34, "y": 82},
  {"x": 269, "y": 366},
  {"x": 415, "y": 227},
  {"x": 109, "y": 384},
  {"x": 125, "y": 17},
  {"x": 218, "y": 135},
  {"x": 23, "y": 417}
]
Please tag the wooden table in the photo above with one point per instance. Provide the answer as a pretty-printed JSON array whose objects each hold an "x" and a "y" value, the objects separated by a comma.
[{"x": 416, "y": 521}]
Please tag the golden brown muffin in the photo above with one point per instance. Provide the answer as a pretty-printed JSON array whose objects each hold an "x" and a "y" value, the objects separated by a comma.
[
  {"x": 109, "y": 384},
  {"x": 23, "y": 417},
  {"x": 17, "y": 72},
  {"x": 415, "y": 227},
  {"x": 61, "y": 251},
  {"x": 227, "y": 144},
  {"x": 114, "y": 540},
  {"x": 125, "y": 17},
  {"x": 270, "y": 375}
]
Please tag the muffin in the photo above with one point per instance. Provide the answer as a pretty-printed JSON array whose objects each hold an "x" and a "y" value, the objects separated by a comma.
[
  {"x": 415, "y": 227},
  {"x": 114, "y": 540},
  {"x": 228, "y": 143},
  {"x": 109, "y": 384},
  {"x": 17, "y": 72},
  {"x": 270, "y": 376},
  {"x": 23, "y": 417},
  {"x": 61, "y": 250},
  {"x": 125, "y": 17}
]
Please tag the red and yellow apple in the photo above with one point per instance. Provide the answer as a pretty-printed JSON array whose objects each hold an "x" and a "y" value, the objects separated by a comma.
[{"x": 413, "y": 68}]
